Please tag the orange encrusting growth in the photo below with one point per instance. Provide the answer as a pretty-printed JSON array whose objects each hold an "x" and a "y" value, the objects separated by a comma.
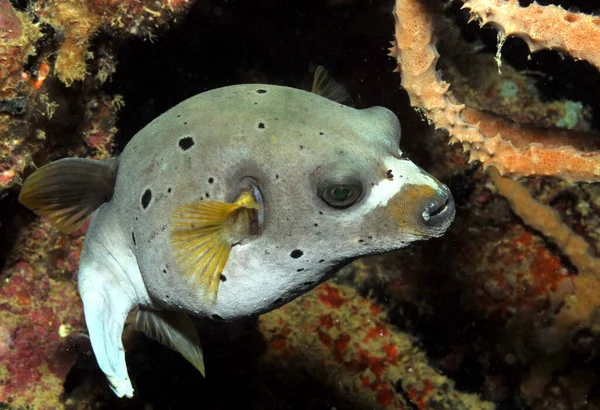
[
  {"x": 580, "y": 307},
  {"x": 512, "y": 148},
  {"x": 543, "y": 27}
]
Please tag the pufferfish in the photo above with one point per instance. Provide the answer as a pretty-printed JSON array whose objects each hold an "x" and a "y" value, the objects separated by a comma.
[{"x": 230, "y": 204}]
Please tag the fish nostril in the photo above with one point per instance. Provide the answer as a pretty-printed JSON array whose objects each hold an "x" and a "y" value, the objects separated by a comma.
[{"x": 440, "y": 210}]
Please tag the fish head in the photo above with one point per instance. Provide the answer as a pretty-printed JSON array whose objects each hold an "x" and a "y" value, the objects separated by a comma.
[
  {"x": 329, "y": 194},
  {"x": 354, "y": 192}
]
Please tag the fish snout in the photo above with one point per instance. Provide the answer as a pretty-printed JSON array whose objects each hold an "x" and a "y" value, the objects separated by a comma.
[
  {"x": 439, "y": 211},
  {"x": 424, "y": 209}
]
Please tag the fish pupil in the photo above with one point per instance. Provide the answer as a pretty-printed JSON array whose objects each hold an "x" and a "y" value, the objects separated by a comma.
[{"x": 341, "y": 193}]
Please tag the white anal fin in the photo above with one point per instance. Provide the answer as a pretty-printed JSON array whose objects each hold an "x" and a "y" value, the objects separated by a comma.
[
  {"x": 105, "y": 317},
  {"x": 174, "y": 330},
  {"x": 110, "y": 285}
]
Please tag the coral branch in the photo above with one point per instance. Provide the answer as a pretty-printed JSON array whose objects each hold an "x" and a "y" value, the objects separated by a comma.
[
  {"x": 546, "y": 220},
  {"x": 542, "y": 27},
  {"x": 515, "y": 149},
  {"x": 580, "y": 306},
  {"x": 345, "y": 341}
]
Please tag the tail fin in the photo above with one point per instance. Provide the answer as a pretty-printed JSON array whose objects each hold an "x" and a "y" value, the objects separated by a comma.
[{"x": 69, "y": 190}]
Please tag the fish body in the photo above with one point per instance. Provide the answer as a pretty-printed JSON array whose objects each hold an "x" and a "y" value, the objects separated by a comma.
[{"x": 230, "y": 204}]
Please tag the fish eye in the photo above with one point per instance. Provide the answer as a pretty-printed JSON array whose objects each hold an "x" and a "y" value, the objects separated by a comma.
[{"x": 340, "y": 192}]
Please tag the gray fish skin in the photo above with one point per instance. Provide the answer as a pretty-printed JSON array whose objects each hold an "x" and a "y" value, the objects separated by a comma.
[{"x": 282, "y": 141}]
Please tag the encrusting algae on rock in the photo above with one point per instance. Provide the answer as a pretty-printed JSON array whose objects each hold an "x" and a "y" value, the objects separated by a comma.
[
  {"x": 346, "y": 342},
  {"x": 49, "y": 43},
  {"x": 41, "y": 319}
]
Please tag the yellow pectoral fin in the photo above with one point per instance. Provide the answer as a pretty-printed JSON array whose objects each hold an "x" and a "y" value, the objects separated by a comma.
[{"x": 201, "y": 239}]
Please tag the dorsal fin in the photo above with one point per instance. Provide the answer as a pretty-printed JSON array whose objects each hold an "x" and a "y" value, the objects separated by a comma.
[
  {"x": 67, "y": 191},
  {"x": 325, "y": 86}
]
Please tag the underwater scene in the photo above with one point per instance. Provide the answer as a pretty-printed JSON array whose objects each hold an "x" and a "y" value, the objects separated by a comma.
[{"x": 319, "y": 204}]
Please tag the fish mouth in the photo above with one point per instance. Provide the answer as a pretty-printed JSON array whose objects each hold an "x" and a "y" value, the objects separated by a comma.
[{"x": 439, "y": 213}]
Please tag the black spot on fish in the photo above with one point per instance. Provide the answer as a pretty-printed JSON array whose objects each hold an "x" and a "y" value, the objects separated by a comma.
[
  {"x": 322, "y": 260},
  {"x": 208, "y": 196},
  {"x": 211, "y": 180},
  {"x": 136, "y": 218},
  {"x": 255, "y": 103},
  {"x": 185, "y": 123},
  {"x": 277, "y": 301},
  {"x": 321, "y": 133},
  {"x": 389, "y": 174},
  {"x": 301, "y": 146},
  {"x": 186, "y": 143},
  {"x": 133, "y": 238},
  {"x": 299, "y": 270},
  {"x": 216, "y": 317},
  {"x": 164, "y": 271},
  {"x": 167, "y": 296},
  {"x": 276, "y": 176},
  {"x": 261, "y": 91},
  {"x": 316, "y": 224},
  {"x": 296, "y": 253},
  {"x": 223, "y": 278},
  {"x": 169, "y": 190},
  {"x": 146, "y": 198},
  {"x": 178, "y": 115},
  {"x": 261, "y": 125},
  {"x": 320, "y": 212}
]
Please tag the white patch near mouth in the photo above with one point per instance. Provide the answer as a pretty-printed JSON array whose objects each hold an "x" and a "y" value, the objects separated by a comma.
[{"x": 404, "y": 172}]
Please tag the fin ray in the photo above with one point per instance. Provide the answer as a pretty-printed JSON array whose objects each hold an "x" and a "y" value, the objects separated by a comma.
[
  {"x": 174, "y": 330},
  {"x": 325, "y": 86},
  {"x": 69, "y": 190},
  {"x": 201, "y": 238}
]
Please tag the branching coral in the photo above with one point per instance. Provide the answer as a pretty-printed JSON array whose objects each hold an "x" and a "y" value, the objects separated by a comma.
[
  {"x": 515, "y": 149},
  {"x": 511, "y": 148},
  {"x": 345, "y": 341}
]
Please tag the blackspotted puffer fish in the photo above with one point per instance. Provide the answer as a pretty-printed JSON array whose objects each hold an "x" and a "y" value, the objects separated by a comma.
[{"x": 230, "y": 204}]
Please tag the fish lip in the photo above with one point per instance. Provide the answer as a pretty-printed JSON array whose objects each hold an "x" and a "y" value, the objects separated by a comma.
[{"x": 440, "y": 213}]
